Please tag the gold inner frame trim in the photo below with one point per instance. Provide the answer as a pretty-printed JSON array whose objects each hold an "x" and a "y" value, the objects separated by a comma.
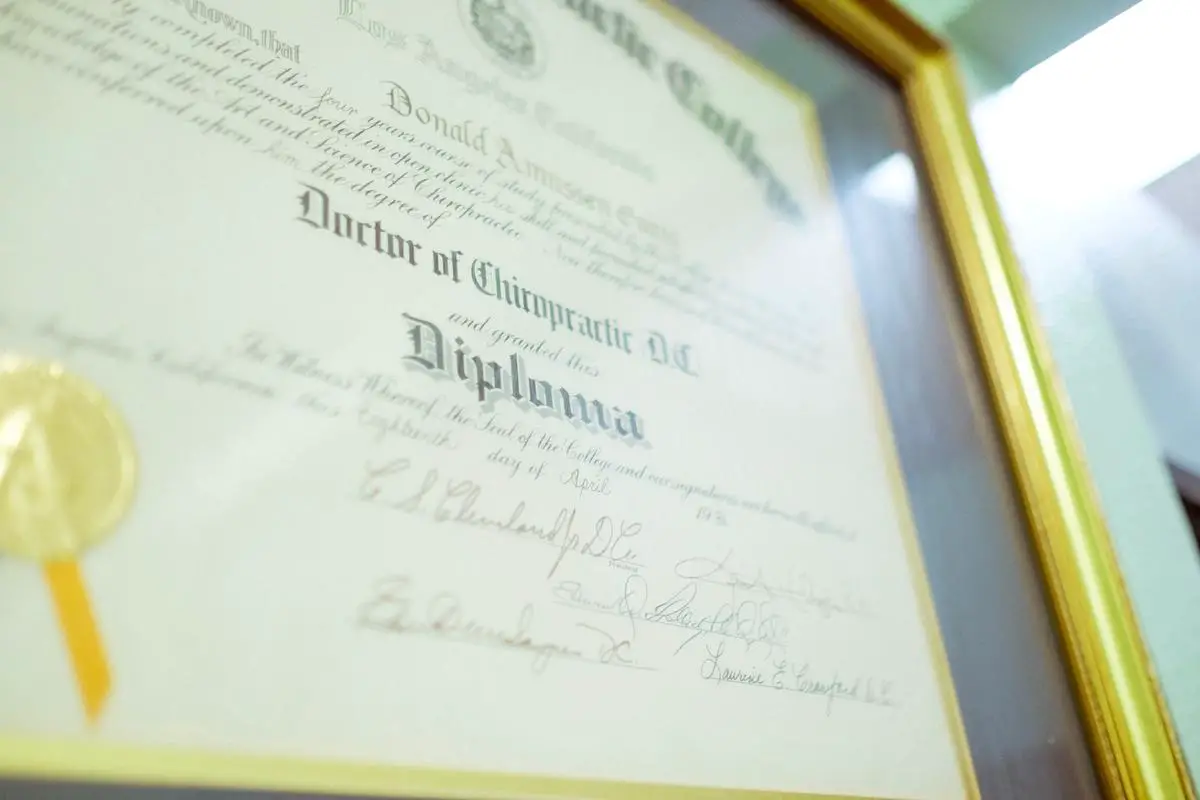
[{"x": 1133, "y": 741}]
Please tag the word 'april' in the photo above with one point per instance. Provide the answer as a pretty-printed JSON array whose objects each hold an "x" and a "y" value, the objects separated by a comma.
[{"x": 491, "y": 380}]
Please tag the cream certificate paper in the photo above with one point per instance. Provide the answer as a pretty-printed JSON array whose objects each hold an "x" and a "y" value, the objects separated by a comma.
[{"x": 497, "y": 401}]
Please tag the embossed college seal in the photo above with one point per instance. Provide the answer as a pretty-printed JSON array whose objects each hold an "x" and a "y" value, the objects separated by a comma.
[{"x": 506, "y": 33}]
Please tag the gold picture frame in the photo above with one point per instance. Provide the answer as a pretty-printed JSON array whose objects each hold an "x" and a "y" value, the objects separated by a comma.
[
  {"x": 1132, "y": 739},
  {"x": 1131, "y": 735}
]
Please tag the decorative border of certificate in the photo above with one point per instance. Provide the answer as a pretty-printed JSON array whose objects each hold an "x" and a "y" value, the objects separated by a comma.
[{"x": 81, "y": 760}]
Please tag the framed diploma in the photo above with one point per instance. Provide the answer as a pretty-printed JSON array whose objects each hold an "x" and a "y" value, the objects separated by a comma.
[{"x": 518, "y": 398}]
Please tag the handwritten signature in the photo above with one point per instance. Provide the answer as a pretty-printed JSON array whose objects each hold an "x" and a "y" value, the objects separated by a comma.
[
  {"x": 393, "y": 608},
  {"x": 785, "y": 676},
  {"x": 444, "y": 499},
  {"x": 752, "y": 622},
  {"x": 801, "y": 590}
]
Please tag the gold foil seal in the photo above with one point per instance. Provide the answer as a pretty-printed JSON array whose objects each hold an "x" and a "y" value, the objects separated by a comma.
[
  {"x": 67, "y": 462},
  {"x": 67, "y": 476}
]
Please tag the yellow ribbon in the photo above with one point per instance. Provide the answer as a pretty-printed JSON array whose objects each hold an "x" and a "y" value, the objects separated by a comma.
[
  {"x": 79, "y": 628},
  {"x": 67, "y": 477}
]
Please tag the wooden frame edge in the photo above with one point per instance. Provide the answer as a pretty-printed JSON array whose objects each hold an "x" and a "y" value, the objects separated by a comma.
[{"x": 1133, "y": 741}]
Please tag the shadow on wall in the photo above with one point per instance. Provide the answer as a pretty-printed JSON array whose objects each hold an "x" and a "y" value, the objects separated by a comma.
[{"x": 1188, "y": 486}]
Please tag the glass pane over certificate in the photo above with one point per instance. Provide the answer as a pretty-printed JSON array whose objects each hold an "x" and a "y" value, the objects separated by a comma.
[{"x": 416, "y": 390}]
